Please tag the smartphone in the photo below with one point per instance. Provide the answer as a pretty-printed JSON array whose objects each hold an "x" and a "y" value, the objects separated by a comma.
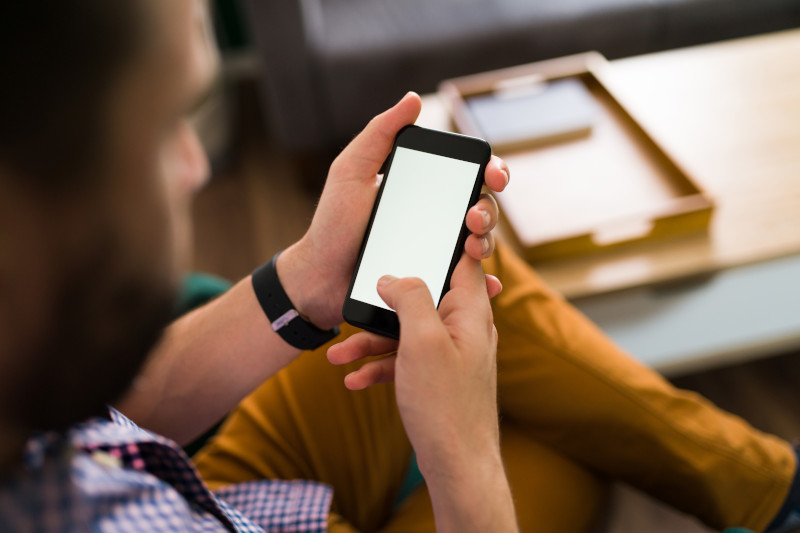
[{"x": 417, "y": 227}]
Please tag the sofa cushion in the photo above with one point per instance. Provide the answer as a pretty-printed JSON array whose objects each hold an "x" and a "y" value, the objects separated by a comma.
[
  {"x": 688, "y": 22},
  {"x": 330, "y": 65},
  {"x": 370, "y": 52}
]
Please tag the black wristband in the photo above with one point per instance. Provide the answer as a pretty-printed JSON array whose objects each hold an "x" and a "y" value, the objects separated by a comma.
[{"x": 286, "y": 321}]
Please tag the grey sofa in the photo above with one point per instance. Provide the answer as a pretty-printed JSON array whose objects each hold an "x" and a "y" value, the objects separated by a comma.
[{"x": 329, "y": 65}]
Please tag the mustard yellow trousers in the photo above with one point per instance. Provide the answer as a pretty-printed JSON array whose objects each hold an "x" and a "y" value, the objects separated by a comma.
[{"x": 575, "y": 411}]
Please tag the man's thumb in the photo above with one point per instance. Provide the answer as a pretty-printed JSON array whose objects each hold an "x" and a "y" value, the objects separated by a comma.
[
  {"x": 410, "y": 298},
  {"x": 372, "y": 146}
]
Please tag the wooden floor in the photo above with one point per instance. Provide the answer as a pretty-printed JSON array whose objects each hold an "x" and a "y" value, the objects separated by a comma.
[{"x": 263, "y": 201}]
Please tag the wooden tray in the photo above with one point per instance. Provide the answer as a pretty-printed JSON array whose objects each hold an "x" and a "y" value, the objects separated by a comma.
[{"x": 615, "y": 186}]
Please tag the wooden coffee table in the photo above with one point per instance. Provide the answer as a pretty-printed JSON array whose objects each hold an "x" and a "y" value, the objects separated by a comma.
[{"x": 729, "y": 113}]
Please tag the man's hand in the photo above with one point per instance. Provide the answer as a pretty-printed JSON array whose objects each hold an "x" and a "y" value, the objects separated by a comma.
[
  {"x": 444, "y": 367},
  {"x": 191, "y": 370},
  {"x": 316, "y": 270},
  {"x": 445, "y": 377}
]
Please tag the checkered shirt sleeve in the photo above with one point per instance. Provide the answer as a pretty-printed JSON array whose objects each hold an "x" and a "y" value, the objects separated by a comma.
[
  {"x": 111, "y": 475},
  {"x": 281, "y": 505}
]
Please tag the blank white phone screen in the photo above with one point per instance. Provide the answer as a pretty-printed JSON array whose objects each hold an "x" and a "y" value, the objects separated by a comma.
[{"x": 417, "y": 223}]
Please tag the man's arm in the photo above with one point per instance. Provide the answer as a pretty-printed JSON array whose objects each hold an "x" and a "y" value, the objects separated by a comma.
[
  {"x": 445, "y": 375},
  {"x": 206, "y": 362},
  {"x": 213, "y": 357},
  {"x": 475, "y": 498}
]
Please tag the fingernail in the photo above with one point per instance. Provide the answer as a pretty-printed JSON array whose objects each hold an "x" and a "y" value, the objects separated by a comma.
[
  {"x": 348, "y": 380},
  {"x": 485, "y": 244},
  {"x": 487, "y": 219},
  {"x": 385, "y": 280},
  {"x": 508, "y": 178}
]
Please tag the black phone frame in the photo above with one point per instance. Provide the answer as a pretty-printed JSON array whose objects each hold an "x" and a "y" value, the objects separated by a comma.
[{"x": 452, "y": 145}]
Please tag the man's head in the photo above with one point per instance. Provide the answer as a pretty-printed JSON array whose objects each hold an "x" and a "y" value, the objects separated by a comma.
[{"x": 98, "y": 163}]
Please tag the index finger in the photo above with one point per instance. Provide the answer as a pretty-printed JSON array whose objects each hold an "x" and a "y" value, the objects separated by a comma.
[{"x": 361, "y": 345}]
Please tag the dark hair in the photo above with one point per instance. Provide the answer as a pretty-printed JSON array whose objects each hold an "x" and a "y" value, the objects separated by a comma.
[{"x": 59, "y": 59}]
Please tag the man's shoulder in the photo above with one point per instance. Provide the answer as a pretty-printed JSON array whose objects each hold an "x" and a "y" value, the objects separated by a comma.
[
  {"x": 109, "y": 471},
  {"x": 77, "y": 479},
  {"x": 114, "y": 430}
]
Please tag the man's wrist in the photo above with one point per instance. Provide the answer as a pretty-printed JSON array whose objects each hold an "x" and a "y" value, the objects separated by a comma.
[
  {"x": 476, "y": 497},
  {"x": 457, "y": 466},
  {"x": 444, "y": 454},
  {"x": 305, "y": 286}
]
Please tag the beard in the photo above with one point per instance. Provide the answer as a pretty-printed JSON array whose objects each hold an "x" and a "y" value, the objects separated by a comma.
[{"x": 106, "y": 317}]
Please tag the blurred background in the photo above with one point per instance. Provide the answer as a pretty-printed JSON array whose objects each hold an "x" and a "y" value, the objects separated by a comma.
[
  {"x": 326, "y": 67},
  {"x": 700, "y": 97}
]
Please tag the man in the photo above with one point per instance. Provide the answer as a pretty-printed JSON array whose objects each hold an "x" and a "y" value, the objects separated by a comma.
[
  {"x": 98, "y": 164},
  {"x": 94, "y": 262}
]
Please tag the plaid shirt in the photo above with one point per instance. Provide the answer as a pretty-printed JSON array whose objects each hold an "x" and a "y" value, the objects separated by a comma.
[{"x": 111, "y": 475}]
